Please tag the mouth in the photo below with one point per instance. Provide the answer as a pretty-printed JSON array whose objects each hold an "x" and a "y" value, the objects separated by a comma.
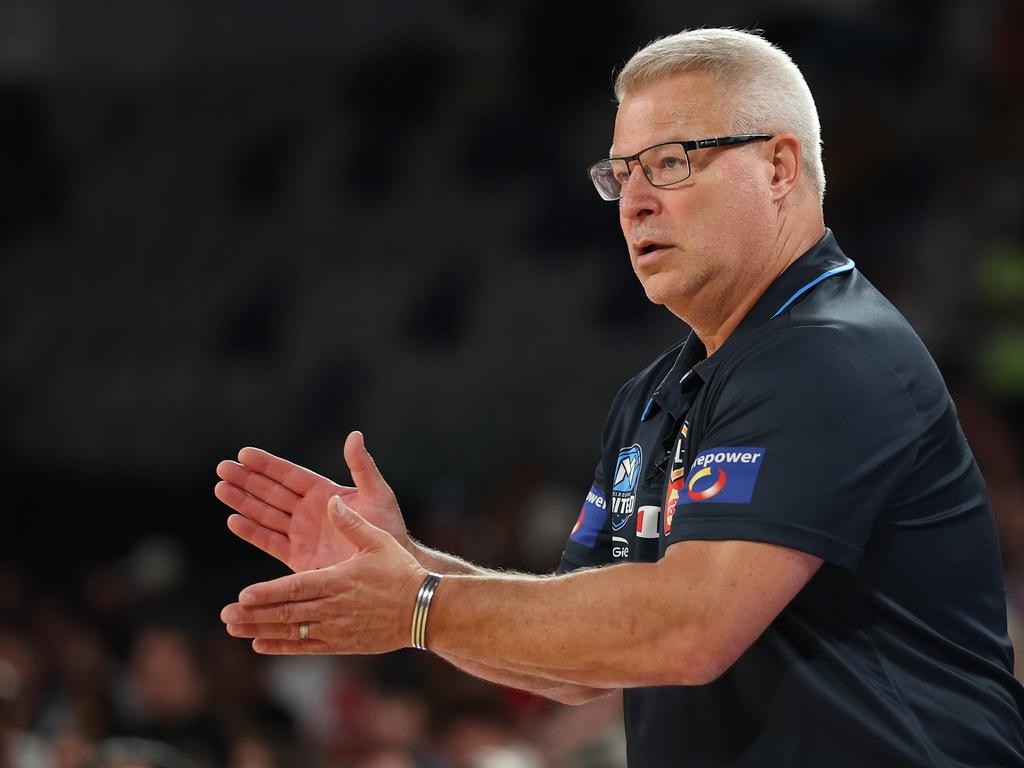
[{"x": 645, "y": 247}]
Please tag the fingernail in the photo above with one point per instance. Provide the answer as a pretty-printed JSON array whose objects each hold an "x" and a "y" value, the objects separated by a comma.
[
  {"x": 245, "y": 597},
  {"x": 338, "y": 506}
]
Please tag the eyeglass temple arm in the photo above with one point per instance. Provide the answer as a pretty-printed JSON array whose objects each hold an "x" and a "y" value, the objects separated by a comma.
[{"x": 722, "y": 141}]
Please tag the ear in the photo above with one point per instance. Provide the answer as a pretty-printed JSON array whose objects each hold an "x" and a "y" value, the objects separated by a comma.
[{"x": 787, "y": 162}]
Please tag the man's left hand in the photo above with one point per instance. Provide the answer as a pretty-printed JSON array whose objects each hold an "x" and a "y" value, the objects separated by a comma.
[{"x": 359, "y": 606}]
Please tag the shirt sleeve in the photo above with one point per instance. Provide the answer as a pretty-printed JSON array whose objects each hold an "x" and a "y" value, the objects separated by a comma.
[
  {"x": 804, "y": 443},
  {"x": 589, "y": 541}
]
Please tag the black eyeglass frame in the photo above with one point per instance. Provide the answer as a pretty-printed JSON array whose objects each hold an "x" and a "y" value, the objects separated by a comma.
[{"x": 715, "y": 141}]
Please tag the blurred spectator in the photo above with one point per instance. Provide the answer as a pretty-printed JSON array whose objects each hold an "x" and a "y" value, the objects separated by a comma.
[
  {"x": 20, "y": 694},
  {"x": 168, "y": 697},
  {"x": 80, "y": 707},
  {"x": 389, "y": 757},
  {"x": 252, "y": 750},
  {"x": 589, "y": 736},
  {"x": 475, "y": 734},
  {"x": 398, "y": 717},
  {"x": 262, "y": 731},
  {"x": 136, "y": 753}
]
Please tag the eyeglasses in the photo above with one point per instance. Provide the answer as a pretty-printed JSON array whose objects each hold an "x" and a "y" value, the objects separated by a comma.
[{"x": 664, "y": 164}]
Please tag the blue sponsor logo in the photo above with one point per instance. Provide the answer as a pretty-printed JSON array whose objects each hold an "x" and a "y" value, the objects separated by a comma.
[
  {"x": 628, "y": 465},
  {"x": 591, "y": 520},
  {"x": 723, "y": 476}
]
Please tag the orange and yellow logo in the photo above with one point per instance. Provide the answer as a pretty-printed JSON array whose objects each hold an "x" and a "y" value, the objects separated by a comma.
[{"x": 712, "y": 490}]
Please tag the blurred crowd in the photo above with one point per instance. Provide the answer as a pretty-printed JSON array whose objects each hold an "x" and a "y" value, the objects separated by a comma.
[
  {"x": 104, "y": 674},
  {"x": 231, "y": 223}
]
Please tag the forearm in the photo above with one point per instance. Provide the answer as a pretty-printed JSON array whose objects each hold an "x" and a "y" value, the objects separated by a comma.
[
  {"x": 683, "y": 620},
  {"x": 441, "y": 562},
  {"x": 564, "y": 693},
  {"x": 583, "y": 628},
  {"x": 560, "y": 691}
]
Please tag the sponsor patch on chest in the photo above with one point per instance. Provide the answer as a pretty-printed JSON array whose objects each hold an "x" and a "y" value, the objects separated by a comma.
[{"x": 628, "y": 465}]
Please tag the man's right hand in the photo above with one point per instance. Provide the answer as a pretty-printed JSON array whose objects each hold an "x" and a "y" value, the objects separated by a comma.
[{"x": 282, "y": 507}]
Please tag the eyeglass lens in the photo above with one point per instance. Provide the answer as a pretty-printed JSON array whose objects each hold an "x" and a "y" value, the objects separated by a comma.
[{"x": 663, "y": 165}]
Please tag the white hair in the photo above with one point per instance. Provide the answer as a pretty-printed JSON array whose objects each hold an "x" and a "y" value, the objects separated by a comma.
[{"x": 767, "y": 91}]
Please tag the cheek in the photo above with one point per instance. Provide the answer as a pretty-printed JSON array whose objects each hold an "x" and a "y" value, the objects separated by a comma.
[
  {"x": 697, "y": 215},
  {"x": 744, "y": 209},
  {"x": 728, "y": 219}
]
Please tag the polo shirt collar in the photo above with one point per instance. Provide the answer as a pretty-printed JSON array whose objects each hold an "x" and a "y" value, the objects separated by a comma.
[
  {"x": 693, "y": 367},
  {"x": 672, "y": 392}
]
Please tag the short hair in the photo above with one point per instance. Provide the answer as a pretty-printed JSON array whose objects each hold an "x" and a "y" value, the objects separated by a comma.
[{"x": 767, "y": 90}]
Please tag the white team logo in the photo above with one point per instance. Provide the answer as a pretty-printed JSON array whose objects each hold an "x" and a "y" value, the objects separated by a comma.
[
  {"x": 628, "y": 466},
  {"x": 625, "y": 475}
]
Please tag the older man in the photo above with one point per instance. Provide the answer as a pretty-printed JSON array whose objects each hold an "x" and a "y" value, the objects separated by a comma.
[{"x": 798, "y": 561}]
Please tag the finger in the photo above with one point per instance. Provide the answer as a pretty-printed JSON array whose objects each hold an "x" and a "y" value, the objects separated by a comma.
[
  {"x": 361, "y": 464},
  {"x": 271, "y": 542},
  {"x": 353, "y": 527},
  {"x": 258, "y": 511},
  {"x": 271, "y": 631},
  {"x": 297, "y": 479},
  {"x": 266, "y": 631},
  {"x": 258, "y": 485},
  {"x": 278, "y": 613},
  {"x": 308, "y": 585},
  {"x": 291, "y": 647}
]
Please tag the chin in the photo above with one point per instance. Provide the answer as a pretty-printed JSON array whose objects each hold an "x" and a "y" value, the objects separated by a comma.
[{"x": 666, "y": 289}]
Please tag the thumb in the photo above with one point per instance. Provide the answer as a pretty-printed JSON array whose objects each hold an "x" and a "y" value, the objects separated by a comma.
[
  {"x": 352, "y": 526},
  {"x": 365, "y": 474}
]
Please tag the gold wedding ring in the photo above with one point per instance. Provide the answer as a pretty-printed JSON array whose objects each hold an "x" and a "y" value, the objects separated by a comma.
[{"x": 304, "y": 630}]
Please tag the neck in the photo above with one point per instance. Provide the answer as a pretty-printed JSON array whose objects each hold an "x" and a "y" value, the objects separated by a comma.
[{"x": 715, "y": 315}]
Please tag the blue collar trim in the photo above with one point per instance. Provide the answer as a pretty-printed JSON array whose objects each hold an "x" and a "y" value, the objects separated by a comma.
[{"x": 824, "y": 276}]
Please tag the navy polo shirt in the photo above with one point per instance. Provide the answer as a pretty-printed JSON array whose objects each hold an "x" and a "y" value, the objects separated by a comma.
[{"x": 822, "y": 425}]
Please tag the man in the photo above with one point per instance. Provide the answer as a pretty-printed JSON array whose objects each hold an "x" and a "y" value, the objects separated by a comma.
[{"x": 799, "y": 562}]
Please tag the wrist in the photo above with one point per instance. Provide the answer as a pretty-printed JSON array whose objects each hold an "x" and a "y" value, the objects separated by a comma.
[{"x": 413, "y": 547}]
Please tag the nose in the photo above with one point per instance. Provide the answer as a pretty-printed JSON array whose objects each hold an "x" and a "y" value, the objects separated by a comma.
[{"x": 639, "y": 197}]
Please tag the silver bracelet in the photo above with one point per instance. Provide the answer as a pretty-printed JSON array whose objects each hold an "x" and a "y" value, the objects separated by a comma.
[{"x": 422, "y": 608}]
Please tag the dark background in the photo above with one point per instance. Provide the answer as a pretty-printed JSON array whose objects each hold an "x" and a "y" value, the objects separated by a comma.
[
  {"x": 268, "y": 223},
  {"x": 246, "y": 223}
]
